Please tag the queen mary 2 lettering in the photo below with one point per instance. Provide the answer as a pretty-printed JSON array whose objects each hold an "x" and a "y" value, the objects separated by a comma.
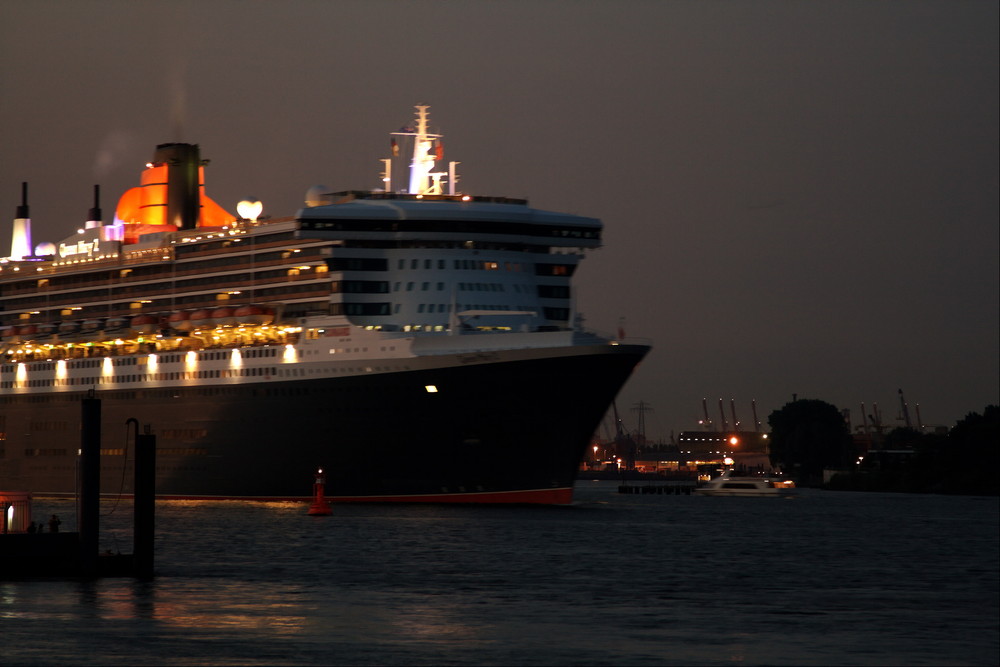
[{"x": 418, "y": 345}]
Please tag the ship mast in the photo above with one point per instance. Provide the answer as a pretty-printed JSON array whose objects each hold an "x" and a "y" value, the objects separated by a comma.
[
  {"x": 423, "y": 181},
  {"x": 422, "y": 162}
]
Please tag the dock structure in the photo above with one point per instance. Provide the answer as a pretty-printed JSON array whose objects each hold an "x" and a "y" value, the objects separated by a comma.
[{"x": 27, "y": 553}]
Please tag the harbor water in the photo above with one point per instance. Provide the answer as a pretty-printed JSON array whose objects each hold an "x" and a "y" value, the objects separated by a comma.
[{"x": 821, "y": 578}]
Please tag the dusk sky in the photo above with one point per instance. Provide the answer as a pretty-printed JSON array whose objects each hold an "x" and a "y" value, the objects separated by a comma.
[{"x": 798, "y": 197}]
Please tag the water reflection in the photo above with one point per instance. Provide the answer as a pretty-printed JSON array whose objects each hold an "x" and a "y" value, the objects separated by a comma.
[
  {"x": 228, "y": 605},
  {"x": 629, "y": 579},
  {"x": 434, "y": 622}
]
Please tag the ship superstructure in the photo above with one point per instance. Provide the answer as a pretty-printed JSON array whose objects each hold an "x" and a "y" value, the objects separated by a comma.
[{"x": 416, "y": 345}]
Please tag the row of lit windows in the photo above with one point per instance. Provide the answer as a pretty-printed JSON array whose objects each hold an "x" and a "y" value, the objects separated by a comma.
[
  {"x": 211, "y": 374},
  {"x": 98, "y": 363},
  {"x": 154, "y": 377},
  {"x": 462, "y": 265},
  {"x": 81, "y": 363},
  {"x": 260, "y": 352}
]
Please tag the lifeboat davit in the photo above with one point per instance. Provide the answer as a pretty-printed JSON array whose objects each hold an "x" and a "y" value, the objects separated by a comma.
[
  {"x": 200, "y": 319},
  {"x": 180, "y": 321},
  {"x": 254, "y": 315},
  {"x": 144, "y": 324},
  {"x": 224, "y": 317}
]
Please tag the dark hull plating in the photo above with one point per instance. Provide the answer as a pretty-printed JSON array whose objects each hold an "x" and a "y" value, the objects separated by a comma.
[{"x": 493, "y": 432}]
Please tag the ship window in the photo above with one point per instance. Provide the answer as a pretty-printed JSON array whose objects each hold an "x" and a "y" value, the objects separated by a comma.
[
  {"x": 427, "y": 263},
  {"x": 440, "y": 286},
  {"x": 401, "y": 264},
  {"x": 440, "y": 263},
  {"x": 554, "y": 269},
  {"x": 420, "y": 308},
  {"x": 424, "y": 286},
  {"x": 357, "y": 264},
  {"x": 413, "y": 263},
  {"x": 553, "y": 291},
  {"x": 409, "y": 287}
]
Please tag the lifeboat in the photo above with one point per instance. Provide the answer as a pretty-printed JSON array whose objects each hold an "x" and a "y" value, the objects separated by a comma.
[
  {"x": 180, "y": 321},
  {"x": 254, "y": 315},
  {"x": 200, "y": 319},
  {"x": 27, "y": 330},
  {"x": 144, "y": 324},
  {"x": 97, "y": 324},
  {"x": 224, "y": 317},
  {"x": 8, "y": 333},
  {"x": 115, "y": 323},
  {"x": 47, "y": 328},
  {"x": 72, "y": 326}
]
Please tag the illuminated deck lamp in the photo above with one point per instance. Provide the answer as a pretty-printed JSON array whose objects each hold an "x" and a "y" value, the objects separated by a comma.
[{"x": 249, "y": 209}]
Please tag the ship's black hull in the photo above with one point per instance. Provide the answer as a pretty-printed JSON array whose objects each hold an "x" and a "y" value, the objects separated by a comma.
[{"x": 508, "y": 431}]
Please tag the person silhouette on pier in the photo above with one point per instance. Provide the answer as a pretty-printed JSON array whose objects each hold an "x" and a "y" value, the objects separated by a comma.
[{"x": 54, "y": 524}]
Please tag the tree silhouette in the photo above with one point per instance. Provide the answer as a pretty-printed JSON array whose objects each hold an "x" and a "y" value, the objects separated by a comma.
[
  {"x": 975, "y": 441},
  {"x": 808, "y": 436}
]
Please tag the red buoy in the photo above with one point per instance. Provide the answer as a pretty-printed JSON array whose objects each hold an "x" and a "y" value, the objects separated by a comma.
[{"x": 319, "y": 505}]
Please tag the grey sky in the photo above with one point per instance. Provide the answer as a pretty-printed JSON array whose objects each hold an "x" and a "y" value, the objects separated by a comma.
[{"x": 798, "y": 197}]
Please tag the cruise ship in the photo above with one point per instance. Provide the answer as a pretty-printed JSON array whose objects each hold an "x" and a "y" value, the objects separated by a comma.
[{"x": 416, "y": 344}]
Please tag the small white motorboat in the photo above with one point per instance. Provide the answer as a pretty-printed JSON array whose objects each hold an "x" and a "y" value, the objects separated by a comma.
[{"x": 729, "y": 484}]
